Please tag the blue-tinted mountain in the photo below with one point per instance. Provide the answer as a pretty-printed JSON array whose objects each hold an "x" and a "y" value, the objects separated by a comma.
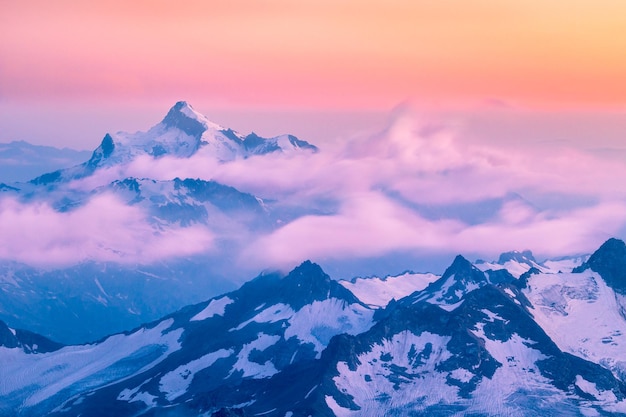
[
  {"x": 301, "y": 344},
  {"x": 25, "y": 340},
  {"x": 610, "y": 262},
  {"x": 219, "y": 351},
  {"x": 21, "y": 161},
  {"x": 182, "y": 133}
]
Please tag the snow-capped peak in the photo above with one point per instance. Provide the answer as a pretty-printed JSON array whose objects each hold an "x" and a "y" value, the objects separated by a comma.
[
  {"x": 183, "y": 132},
  {"x": 187, "y": 119},
  {"x": 610, "y": 262}
]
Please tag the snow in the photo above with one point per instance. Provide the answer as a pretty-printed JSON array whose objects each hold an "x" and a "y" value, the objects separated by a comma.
[
  {"x": 510, "y": 293},
  {"x": 253, "y": 369},
  {"x": 419, "y": 383},
  {"x": 439, "y": 297},
  {"x": 606, "y": 398},
  {"x": 515, "y": 268},
  {"x": 271, "y": 314},
  {"x": 581, "y": 314},
  {"x": 564, "y": 264},
  {"x": 516, "y": 382},
  {"x": 215, "y": 308},
  {"x": 317, "y": 322},
  {"x": 135, "y": 395},
  {"x": 462, "y": 375},
  {"x": 191, "y": 113},
  {"x": 12, "y": 331},
  {"x": 79, "y": 368},
  {"x": 338, "y": 410},
  {"x": 175, "y": 383},
  {"x": 100, "y": 287},
  {"x": 379, "y": 291}
]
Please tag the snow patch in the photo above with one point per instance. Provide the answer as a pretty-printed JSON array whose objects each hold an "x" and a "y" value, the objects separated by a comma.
[
  {"x": 215, "y": 308},
  {"x": 175, "y": 383},
  {"x": 271, "y": 314},
  {"x": 397, "y": 373},
  {"x": 338, "y": 410},
  {"x": 582, "y": 315},
  {"x": 254, "y": 369},
  {"x": 318, "y": 322},
  {"x": 378, "y": 292},
  {"x": 76, "y": 369}
]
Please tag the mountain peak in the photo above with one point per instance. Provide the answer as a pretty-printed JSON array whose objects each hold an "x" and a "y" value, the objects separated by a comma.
[
  {"x": 610, "y": 262},
  {"x": 183, "y": 117},
  {"x": 459, "y": 264},
  {"x": 524, "y": 257},
  {"x": 463, "y": 271}
]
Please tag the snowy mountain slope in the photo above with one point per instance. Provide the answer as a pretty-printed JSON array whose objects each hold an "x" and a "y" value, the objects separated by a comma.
[
  {"x": 459, "y": 279},
  {"x": 582, "y": 315},
  {"x": 249, "y": 335},
  {"x": 584, "y": 311},
  {"x": 40, "y": 382},
  {"x": 610, "y": 262},
  {"x": 487, "y": 357},
  {"x": 189, "y": 201},
  {"x": 133, "y": 288},
  {"x": 182, "y": 133},
  {"x": 517, "y": 263},
  {"x": 378, "y": 292},
  {"x": 471, "y": 343}
]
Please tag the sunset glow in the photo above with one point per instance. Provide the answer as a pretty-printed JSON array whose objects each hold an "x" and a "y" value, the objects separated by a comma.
[{"x": 317, "y": 54}]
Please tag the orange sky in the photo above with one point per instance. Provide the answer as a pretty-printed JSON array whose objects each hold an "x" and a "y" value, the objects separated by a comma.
[{"x": 317, "y": 54}]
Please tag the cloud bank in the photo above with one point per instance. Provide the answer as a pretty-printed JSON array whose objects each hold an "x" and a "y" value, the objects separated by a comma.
[
  {"x": 415, "y": 187},
  {"x": 105, "y": 229},
  {"x": 555, "y": 201}
]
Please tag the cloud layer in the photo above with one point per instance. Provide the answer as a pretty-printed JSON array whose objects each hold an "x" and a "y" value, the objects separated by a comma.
[
  {"x": 416, "y": 187},
  {"x": 105, "y": 229}
]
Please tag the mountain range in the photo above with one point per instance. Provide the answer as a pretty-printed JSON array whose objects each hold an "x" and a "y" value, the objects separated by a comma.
[
  {"x": 90, "y": 298},
  {"x": 476, "y": 340},
  {"x": 124, "y": 290}
]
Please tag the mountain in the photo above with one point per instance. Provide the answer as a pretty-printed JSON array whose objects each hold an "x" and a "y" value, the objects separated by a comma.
[
  {"x": 21, "y": 161},
  {"x": 469, "y": 343},
  {"x": 26, "y": 341},
  {"x": 378, "y": 292},
  {"x": 520, "y": 263},
  {"x": 221, "y": 349},
  {"x": 182, "y": 133},
  {"x": 89, "y": 301},
  {"x": 459, "y": 279},
  {"x": 610, "y": 262},
  {"x": 92, "y": 298}
]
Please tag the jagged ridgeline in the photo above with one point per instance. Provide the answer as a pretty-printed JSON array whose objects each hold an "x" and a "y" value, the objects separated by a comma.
[
  {"x": 92, "y": 298},
  {"x": 514, "y": 337}
]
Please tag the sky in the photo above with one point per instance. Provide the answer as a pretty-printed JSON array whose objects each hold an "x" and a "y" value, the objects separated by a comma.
[
  {"x": 71, "y": 70},
  {"x": 416, "y": 105}
]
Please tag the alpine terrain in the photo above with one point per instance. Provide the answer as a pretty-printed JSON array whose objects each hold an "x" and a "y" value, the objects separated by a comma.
[
  {"x": 514, "y": 337},
  {"x": 83, "y": 301}
]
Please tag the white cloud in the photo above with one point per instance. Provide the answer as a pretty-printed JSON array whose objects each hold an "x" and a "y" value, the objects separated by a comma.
[
  {"x": 570, "y": 202},
  {"x": 104, "y": 229}
]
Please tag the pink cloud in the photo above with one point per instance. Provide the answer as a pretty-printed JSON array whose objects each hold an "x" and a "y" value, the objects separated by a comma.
[
  {"x": 376, "y": 181},
  {"x": 104, "y": 229},
  {"x": 372, "y": 225}
]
